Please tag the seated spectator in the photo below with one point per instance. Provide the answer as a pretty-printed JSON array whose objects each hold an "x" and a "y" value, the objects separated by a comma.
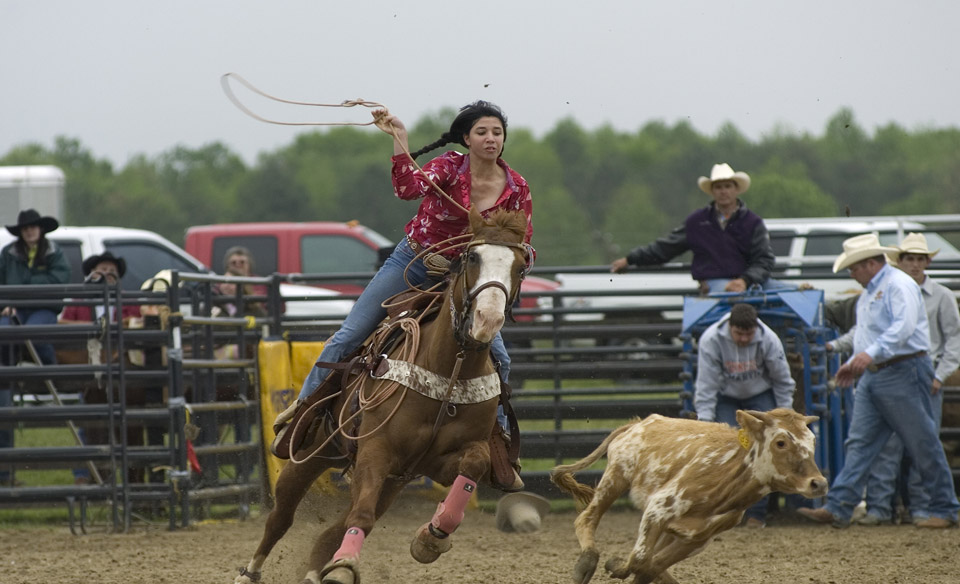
[
  {"x": 730, "y": 244},
  {"x": 238, "y": 261},
  {"x": 30, "y": 260},
  {"x": 97, "y": 269}
]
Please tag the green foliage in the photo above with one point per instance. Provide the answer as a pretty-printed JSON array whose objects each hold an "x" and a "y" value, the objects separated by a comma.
[{"x": 597, "y": 193}]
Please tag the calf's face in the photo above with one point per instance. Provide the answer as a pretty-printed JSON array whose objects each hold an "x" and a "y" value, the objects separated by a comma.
[{"x": 784, "y": 455}]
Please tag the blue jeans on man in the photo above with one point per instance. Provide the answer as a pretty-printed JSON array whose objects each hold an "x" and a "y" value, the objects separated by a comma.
[
  {"x": 885, "y": 477},
  {"x": 894, "y": 400},
  {"x": 727, "y": 413},
  {"x": 26, "y": 316},
  {"x": 717, "y": 285},
  {"x": 367, "y": 314}
]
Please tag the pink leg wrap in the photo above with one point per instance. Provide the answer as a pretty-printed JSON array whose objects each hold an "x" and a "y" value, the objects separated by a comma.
[
  {"x": 352, "y": 542},
  {"x": 450, "y": 511}
]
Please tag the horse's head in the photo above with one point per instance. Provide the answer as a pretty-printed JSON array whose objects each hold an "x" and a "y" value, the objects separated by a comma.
[{"x": 487, "y": 276}]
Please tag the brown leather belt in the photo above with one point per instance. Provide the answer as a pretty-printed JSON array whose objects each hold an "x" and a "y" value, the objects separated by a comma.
[
  {"x": 893, "y": 360},
  {"x": 416, "y": 247}
]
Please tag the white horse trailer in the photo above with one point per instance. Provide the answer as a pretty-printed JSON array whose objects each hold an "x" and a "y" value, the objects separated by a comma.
[{"x": 30, "y": 187}]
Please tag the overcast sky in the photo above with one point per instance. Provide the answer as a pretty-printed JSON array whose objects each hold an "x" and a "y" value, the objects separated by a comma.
[{"x": 128, "y": 77}]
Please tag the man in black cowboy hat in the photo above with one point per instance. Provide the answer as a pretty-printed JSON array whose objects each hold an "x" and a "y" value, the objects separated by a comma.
[
  {"x": 98, "y": 268},
  {"x": 101, "y": 268},
  {"x": 30, "y": 260}
]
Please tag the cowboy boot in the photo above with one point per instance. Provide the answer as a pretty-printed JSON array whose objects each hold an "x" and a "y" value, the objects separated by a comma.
[{"x": 285, "y": 416}]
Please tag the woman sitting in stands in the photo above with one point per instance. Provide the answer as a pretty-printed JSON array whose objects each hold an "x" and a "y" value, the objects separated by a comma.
[{"x": 30, "y": 260}]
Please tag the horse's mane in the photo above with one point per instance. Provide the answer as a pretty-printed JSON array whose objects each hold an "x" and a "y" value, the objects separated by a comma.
[{"x": 501, "y": 225}]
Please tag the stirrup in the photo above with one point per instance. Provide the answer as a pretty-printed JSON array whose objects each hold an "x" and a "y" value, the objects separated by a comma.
[{"x": 504, "y": 473}]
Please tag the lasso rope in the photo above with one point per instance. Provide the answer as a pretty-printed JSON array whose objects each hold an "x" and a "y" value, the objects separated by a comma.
[
  {"x": 378, "y": 120},
  {"x": 411, "y": 343}
]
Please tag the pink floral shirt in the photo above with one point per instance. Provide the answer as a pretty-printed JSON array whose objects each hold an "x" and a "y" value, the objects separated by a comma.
[{"x": 438, "y": 219}]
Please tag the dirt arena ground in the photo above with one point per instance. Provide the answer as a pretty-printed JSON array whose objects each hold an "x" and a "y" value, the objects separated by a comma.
[{"x": 210, "y": 553}]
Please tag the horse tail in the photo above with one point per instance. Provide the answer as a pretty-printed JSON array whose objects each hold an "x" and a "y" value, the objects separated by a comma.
[{"x": 562, "y": 475}]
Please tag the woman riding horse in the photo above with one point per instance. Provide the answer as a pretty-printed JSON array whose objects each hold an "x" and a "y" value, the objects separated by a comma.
[
  {"x": 479, "y": 180},
  {"x": 425, "y": 410}
]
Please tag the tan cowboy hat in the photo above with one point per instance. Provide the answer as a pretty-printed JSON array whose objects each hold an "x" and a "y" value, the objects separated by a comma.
[
  {"x": 916, "y": 243},
  {"x": 912, "y": 243},
  {"x": 859, "y": 248},
  {"x": 723, "y": 171},
  {"x": 521, "y": 512}
]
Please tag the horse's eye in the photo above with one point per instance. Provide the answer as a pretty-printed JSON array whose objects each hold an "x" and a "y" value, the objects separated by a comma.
[
  {"x": 473, "y": 257},
  {"x": 781, "y": 444}
]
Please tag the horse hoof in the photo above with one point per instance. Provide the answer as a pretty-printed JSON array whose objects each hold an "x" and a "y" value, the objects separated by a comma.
[
  {"x": 617, "y": 568},
  {"x": 342, "y": 571},
  {"x": 340, "y": 576},
  {"x": 426, "y": 548},
  {"x": 586, "y": 566}
]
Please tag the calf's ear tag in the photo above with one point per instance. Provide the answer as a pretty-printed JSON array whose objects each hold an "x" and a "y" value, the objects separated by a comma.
[{"x": 744, "y": 439}]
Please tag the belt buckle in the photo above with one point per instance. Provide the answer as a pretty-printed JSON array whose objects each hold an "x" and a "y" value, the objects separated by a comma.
[{"x": 872, "y": 368}]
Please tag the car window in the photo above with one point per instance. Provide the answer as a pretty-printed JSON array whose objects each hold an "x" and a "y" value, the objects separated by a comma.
[
  {"x": 74, "y": 254},
  {"x": 946, "y": 249},
  {"x": 780, "y": 242},
  {"x": 826, "y": 243},
  {"x": 325, "y": 254},
  {"x": 144, "y": 259},
  {"x": 263, "y": 247}
]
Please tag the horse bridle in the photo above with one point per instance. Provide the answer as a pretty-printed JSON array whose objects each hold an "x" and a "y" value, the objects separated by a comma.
[{"x": 462, "y": 316}]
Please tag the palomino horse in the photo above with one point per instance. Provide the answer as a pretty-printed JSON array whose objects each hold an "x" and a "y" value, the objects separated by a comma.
[{"x": 408, "y": 434}]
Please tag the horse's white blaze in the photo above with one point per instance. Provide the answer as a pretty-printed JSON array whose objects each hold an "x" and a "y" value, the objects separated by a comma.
[{"x": 496, "y": 263}]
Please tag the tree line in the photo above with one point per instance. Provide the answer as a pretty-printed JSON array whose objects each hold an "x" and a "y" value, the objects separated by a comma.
[{"x": 596, "y": 193}]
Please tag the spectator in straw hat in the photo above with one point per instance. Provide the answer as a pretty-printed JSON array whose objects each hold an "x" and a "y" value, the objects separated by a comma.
[
  {"x": 730, "y": 244},
  {"x": 31, "y": 259},
  {"x": 914, "y": 258},
  {"x": 890, "y": 344}
]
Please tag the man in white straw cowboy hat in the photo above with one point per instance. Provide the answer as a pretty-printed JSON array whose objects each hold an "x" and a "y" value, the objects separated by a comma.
[
  {"x": 943, "y": 317},
  {"x": 890, "y": 345},
  {"x": 730, "y": 244}
]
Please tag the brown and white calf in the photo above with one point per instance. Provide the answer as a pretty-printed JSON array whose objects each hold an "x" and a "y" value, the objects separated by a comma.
[{"x": 692, "y": 480}]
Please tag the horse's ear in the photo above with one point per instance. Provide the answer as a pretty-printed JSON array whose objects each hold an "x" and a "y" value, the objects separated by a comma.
[{"x": 476, "y": 221}]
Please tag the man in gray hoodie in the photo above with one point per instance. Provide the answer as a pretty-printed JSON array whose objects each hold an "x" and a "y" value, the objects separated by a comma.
[{"x": 741, "y": 365}]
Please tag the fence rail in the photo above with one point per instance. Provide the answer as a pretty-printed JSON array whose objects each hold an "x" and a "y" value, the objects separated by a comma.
[{"x": 577, "y": 374}]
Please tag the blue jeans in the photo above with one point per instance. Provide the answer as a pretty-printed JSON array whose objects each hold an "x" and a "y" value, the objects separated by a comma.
[
  {"x": 717, "y": 285},
  {"x": 367, "y": 314},
  {"x": 727, "y": 413},
  {"x": 894, "y": 400},
  {"x": 885, "y": 476},
  {"x": 44, "y": 350}
]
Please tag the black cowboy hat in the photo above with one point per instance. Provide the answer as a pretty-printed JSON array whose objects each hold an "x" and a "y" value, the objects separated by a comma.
[
  {"x": 92, "y": 261},
  {"x": 29, "y": 217}
]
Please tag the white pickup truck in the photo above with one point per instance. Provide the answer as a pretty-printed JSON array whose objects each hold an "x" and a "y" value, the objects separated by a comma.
[{"x": 805, "y": 250}]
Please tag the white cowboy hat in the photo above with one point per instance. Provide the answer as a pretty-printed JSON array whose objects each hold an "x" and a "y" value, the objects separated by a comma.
[
  {"x": 724, "y": 172},
  {"x": 859, "y": 248},
  {"x": 912, "y": 243},
  {"x": 916, "y": 243},
  {"x": 521, "y": 512}
]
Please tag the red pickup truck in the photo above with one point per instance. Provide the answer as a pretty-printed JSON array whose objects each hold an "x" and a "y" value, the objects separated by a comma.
[{"x": 316, "y": 247}]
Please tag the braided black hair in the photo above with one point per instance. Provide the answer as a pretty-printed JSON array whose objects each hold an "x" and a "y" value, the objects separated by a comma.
[{"x": 464, "y": 122}]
